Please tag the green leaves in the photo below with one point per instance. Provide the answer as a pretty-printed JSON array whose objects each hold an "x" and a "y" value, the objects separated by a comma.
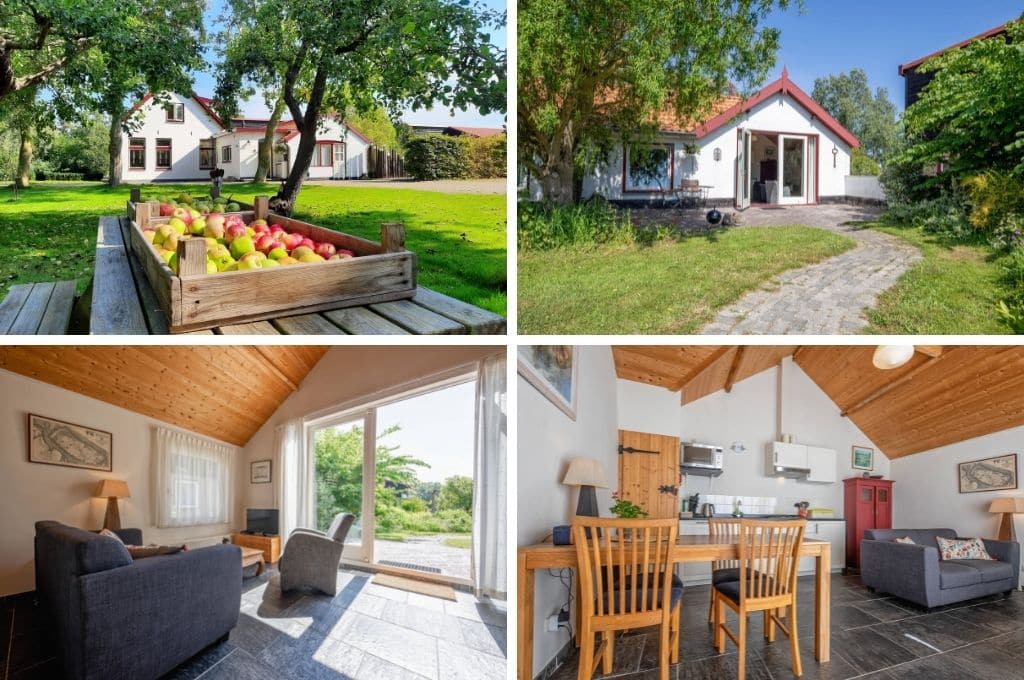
[{"x": 871, "y": 118}]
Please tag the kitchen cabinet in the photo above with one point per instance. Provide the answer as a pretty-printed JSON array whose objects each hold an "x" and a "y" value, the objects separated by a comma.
[
  {"x": 649, "y": 472},
  {"x": 835, "y": 533},
  {"x": 868, "y": 505},
  {"x": 694, "y": 573},
  {"x": 822, "y": 464},
  {"x": 785, "y": 454}
]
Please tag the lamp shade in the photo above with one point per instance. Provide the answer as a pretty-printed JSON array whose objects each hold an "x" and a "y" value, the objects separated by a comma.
[
  {"x": 887, "y": 357},
  {"x": 585, "y": 472},
  {"x": 113, "y": 488},
  {"x": 1007, "y": 505}
]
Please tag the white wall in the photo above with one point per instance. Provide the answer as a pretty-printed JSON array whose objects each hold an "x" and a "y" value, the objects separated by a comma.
[
  {"x": 747, "y": 415},
  {"x": 926, "y": 491},
  {"x": 777, "y": 113},
  {"x": 30, "y": 492},
  {"x": 185, "y": 138},
  {"x": 548, "y": 439},
  {"x": 345, "y": 375},
  {"x": 864, "y": 187}
]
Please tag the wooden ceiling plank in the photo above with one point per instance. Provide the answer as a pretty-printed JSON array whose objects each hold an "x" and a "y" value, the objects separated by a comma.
[
  {"x": 930, "y": 350},
  {"x": 272, "y": 360},
  {"x": 885, "y": 389},
  {"x": 708, "y": 361},
  {"x": 736, "y": 360}
]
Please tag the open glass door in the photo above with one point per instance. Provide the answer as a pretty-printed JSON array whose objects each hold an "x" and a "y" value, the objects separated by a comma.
[
  {"x": 341, "y": 449},
  {"x": 792, "y": 160},
  {"x": 743, "y": 171},
  {"x": 812, "y": 169}
]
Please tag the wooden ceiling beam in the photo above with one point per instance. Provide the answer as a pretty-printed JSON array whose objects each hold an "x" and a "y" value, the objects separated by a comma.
[
  {"x": 888, "y": 387},
  {"x": 933, "y": 351},
  {"x": 701, "y": 367},
  {"x": 271, "y": 363},
  {"x": 734, "y": 368}
]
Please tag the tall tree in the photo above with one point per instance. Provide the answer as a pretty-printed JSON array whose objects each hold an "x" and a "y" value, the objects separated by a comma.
[
  {"x": 971, "y": 115},
  {"x": 26, "y": 115},
  {"x": 872, "y": 118},
  {"x": 595, "y": 73},
  {"x": 336, "y": 56}
]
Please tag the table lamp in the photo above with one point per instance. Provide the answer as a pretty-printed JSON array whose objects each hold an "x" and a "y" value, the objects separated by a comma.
[
  {"x": 112, "y": 489},
  {"x": 1007, "y": 506},
  {"x": 587, "y": 474}
]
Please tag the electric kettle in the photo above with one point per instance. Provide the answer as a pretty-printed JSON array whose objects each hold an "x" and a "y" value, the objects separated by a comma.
[{"x": 707, "y": 510}]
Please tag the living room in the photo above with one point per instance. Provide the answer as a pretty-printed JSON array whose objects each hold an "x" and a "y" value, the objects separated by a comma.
[
  {"x": 233, "y": 544},
  {"x": 887, "y": 460}
]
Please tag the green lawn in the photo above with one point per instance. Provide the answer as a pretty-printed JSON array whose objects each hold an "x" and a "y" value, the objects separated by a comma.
[
  {"x": 671, "y": 288},
  {"x": 49, "y": 233},
  {"x": 953, "y": 290}
]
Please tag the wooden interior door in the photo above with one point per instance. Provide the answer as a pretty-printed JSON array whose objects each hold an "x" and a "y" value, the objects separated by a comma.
[
  {"x": 651, "y": 480},
  {"x": 883, "y": 506}
]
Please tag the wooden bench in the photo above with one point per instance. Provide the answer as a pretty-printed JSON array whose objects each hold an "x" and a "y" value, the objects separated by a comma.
[
  {"x": 37, "y": 308},
  {"x": 123, "y": 303}
]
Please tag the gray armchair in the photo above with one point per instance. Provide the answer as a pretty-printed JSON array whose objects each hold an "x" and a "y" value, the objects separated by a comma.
[{"x": 311, "y": 557}]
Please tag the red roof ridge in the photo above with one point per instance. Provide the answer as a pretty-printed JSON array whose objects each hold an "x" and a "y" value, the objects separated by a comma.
[
  {"x": 990, "y": 33},
  {"x": 783, "y": 86}
]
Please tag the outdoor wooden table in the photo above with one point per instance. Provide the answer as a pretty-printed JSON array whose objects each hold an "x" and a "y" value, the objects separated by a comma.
[
  {"x": 686, "y": 549},
  {"x": 123, "y": 303}
]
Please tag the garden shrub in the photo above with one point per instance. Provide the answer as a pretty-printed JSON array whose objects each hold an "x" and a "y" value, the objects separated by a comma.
[
  {"x": 414, "y": 505},
  {"x": 437, "y": 157},
  {"x": 862, "y": 164},
  {"x": 995, "y": 198},
  {"x": 488, "y": 157},
  {"x": 456, "y": 521},
  {"x": 544, "y": 226}
]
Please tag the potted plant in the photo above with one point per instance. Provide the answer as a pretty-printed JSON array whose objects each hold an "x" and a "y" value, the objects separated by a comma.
[{"x": 624, "y": 509}]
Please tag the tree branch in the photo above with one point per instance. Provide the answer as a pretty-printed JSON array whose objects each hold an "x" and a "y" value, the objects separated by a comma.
[
  {"x": 290, "y": 76},
  {"x": 44, "y": 73}
]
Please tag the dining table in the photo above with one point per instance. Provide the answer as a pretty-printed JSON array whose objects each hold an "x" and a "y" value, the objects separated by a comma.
[{"x": 686, "y": 549}]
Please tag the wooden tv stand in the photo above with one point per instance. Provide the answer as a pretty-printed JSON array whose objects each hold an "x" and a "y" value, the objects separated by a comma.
[{"x": 270, "y": 545}]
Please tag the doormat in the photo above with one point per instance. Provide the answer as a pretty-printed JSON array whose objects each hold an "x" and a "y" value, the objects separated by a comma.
[
  {"x": 413, "y": 586},
  {"x": 410, "y": 565}
]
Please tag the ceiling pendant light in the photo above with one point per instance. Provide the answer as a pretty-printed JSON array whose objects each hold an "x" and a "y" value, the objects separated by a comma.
[{"x": 888, "y": 357}]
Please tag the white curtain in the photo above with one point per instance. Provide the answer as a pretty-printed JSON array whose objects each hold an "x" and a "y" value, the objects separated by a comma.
[
  {"x": 490, "y": 513},
  {"x": 193, "y": 479},
  {"x": 295, "y": 491}
]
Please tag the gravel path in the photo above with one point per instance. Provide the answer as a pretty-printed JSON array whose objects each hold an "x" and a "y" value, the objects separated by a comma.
[{"x": 827, "y": 298}]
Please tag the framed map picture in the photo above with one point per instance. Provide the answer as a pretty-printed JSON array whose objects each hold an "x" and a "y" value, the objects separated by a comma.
[
  {"x": 55, "y": 442},
  {"x": 863, "y": 458},
  {"x": 259, "y": 472},
  {"x": 553, "y": 370},
  {"x": 989, "y": 474}
]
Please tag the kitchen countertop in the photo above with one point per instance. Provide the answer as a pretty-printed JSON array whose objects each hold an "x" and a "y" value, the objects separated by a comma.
[{"x": 809, "y": 519}]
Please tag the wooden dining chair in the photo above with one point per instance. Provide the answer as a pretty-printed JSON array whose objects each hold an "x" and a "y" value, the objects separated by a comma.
[
  {"x": 769, "y": 554},
  {"x": 626, "y": 581},
  {"x": 722, "y": 530}
]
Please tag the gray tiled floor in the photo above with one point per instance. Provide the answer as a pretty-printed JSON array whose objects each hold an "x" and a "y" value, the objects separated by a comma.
[
  {"x": 365, "y": 632},
  {"x": 873, "y": 637}
]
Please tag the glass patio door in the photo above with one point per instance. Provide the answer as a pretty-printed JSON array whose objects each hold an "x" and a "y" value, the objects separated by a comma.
[
  {"x": 342, "y": 453},
  {"x": 792, "y": 163},
  {"x": 743, "y": 171}
]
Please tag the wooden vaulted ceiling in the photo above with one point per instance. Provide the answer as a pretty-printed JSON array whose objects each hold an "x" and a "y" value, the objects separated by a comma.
[
  {"x": 225, "y": 392},
  {"x": 941, "y": 396}
]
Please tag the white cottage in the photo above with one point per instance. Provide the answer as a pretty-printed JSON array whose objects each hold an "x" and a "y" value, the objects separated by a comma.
[
  {"x": 778, "y": 147},
  {"x": 185, "y": 139}
]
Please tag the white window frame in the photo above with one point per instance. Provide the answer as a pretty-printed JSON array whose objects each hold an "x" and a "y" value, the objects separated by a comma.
[
  {"x": 225, "y": 153},
  {"x": 175, "y": 112},
  {"x": 666, "y": 187}
]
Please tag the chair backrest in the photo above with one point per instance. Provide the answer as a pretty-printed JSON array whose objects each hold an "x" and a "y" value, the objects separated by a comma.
[
  {"x": 769, "y": 552},
  {"x": 623, "y": 563},
  {"x": 724, "y": 530},
  {"x": 340, "y": 525}
]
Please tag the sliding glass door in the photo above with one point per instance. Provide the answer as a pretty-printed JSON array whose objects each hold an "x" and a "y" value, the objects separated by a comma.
[{"x": 404, "y": 466}]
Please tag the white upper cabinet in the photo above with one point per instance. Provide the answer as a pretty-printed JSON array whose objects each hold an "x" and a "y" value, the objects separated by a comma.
[
  {"x": 822, "y": 463},
  {"x": 787, "y": 455}
]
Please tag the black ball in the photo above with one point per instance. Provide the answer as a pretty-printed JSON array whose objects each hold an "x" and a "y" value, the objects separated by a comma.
[{"x": 714, "y": 217}]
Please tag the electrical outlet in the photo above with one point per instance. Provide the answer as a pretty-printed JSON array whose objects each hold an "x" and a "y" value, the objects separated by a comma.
[{"x": 551, "y": 623}]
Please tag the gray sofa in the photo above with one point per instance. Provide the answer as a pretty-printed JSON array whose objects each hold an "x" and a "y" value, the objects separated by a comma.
[
  {"x": 915, "y": 572},
  {"x": 118, "y": 618}
]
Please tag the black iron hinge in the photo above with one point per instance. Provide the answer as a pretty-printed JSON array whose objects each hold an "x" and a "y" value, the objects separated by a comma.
[
  {"x": 665, "y": 488},
  {"x": 630, "y": 449}
]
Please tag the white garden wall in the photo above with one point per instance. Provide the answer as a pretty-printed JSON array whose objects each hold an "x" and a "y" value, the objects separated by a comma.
[{"x": 864, "y": 187}]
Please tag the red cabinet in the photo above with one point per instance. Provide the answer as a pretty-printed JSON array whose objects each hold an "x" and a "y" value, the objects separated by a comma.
[{"x": 868, "y": 506}]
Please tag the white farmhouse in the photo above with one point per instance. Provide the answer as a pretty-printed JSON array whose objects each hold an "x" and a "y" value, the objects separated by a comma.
[
  {"x": 778, "y": 147},
  {"x": 184, "y": 139}
]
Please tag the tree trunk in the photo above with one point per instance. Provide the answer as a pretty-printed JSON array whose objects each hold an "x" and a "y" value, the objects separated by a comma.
[
  {"x": 114, "y": 150},
  {"x": 263, "y": 166},
  {"x": 284, "y": 202},
  {"x": 557, "y": 179},
  {"x": 24, "y": 173}
]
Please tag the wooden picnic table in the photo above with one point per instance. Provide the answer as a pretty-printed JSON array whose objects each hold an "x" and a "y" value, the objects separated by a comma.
[{"x": 123, "y": 303}]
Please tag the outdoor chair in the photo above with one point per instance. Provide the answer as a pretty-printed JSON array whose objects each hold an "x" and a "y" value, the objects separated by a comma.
[
  {"x": 311, "y": 557},
  {"x": 626, "y": 581}
]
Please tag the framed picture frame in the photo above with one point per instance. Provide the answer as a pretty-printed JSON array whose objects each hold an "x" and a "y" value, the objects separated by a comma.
[
  {"x": 554, "y": 371},
  {"x": 56, "y": 442},
  {"x": 998, "y": 473},
  {"x": 260, "y": 471},
  {"x": 862, "y": 458}
]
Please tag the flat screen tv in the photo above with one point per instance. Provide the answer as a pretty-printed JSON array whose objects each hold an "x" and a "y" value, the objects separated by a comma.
[{"x": 261, "y": 521}]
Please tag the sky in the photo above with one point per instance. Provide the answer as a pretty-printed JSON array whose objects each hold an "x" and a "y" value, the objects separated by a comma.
[
  {"x": 832, "y": 37},
  {"x": 437, "y": 427},
  {"x": 205, "y": 83}
]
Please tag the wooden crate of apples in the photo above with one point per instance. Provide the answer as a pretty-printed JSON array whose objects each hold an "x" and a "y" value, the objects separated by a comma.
[{"x": 211, "y": 266}]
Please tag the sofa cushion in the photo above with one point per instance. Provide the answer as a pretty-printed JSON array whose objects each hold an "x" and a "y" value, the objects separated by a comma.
[
  {"x": 962, "y": 549},
  {"x": 953, "y": 574},
  {"x": 990, "y": 570},
  {"x": 924, "y": 537}
]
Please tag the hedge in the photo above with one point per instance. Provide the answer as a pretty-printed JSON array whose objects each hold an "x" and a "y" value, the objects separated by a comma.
[{"x": 447, "y": 157}]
